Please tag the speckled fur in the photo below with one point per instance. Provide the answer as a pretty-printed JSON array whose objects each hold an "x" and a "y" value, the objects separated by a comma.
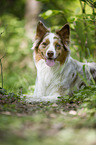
[{"x": 64, "y": 76}]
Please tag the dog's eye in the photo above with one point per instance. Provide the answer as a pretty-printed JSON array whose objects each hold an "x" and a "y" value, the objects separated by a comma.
[
  {"x": 57, "y": 46},
  {"x": 44, "y": 44}
]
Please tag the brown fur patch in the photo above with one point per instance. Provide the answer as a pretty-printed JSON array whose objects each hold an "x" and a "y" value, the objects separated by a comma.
[
  {"x": 63, "y": 56},
  {"x": 38, "y": 55}
]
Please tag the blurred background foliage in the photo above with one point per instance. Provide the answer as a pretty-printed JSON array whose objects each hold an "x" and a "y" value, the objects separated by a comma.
[{"x": 18, "y": 20}]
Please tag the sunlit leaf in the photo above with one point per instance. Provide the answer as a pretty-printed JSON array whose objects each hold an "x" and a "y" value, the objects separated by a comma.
[{"x": 50, "y": 13}]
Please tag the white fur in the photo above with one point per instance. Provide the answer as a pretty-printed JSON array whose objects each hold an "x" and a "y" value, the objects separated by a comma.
[{"x": 51, "y": 46}]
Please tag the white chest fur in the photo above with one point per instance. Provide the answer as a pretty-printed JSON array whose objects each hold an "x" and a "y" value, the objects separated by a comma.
[{"x": 48, "y": 79}]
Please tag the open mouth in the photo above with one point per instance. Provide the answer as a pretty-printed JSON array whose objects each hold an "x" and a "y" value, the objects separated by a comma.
[{"x": 51, "y": 61}]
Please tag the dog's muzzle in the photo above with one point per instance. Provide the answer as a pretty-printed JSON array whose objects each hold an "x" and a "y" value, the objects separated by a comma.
[{"x": 50, "y": 61}]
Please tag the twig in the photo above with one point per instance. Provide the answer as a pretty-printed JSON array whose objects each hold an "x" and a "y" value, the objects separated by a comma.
[{"x": 1, "y": 59}]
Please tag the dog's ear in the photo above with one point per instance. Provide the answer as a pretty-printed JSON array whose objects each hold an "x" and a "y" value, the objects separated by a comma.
[
  {"x": 40, "y": 32},
  {"x": 64, "y": 34}
]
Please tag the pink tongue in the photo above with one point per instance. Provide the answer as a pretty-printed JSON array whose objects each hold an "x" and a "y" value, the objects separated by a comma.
[{"x": 50, "y": 62}]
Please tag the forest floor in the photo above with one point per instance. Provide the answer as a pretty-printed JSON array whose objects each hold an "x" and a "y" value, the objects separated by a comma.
[{"x": 70, "y": 121}]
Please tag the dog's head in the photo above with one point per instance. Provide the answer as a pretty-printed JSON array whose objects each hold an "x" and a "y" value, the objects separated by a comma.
[{"x": 51, "y": 47}]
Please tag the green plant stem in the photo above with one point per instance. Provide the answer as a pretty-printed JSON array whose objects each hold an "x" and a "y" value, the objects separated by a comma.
[
  {"x": 85, "y": 25},
  {"x": 1, "y": 73}
]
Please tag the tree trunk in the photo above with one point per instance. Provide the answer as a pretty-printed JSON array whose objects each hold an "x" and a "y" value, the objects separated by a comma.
[{"x": 31, "y": 15}]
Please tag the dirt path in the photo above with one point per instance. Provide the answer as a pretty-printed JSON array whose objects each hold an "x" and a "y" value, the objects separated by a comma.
[{"x": 64, "y": 123}]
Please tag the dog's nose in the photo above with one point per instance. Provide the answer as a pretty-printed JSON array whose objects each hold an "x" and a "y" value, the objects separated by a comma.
[{"x": 50, "y": 54}]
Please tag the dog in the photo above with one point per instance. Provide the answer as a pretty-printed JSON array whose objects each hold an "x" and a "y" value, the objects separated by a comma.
[{"x": 58, "y": 73}]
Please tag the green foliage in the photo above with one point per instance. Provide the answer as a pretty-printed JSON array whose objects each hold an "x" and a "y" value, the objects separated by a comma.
[
  {"x": 60, "y": 9},
  {"x": 88, "y": 96},
  {"x": 85, "y": 96},
  {"x": 91, "y": 3},
  {"x": 83, "y": 36},
  {"x": 83, "y": 26},
  {"x": 13, "y": 42},
  {"x": 16, "y": 7},
  {"x": 1, "y": 73},
  {"x": 50, "y": 13}
]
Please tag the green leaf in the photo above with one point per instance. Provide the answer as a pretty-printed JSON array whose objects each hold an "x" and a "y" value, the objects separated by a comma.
[
  {"x": 90, "y": 76},
  {"x": 84, "y": 71},
  {"x": 50, "y": 13}
]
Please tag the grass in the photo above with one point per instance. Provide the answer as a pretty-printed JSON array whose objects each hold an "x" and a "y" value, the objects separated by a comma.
[{"x": 70, "y": 121}]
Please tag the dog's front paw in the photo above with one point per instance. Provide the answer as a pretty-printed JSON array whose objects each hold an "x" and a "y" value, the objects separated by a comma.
[{"x": 35, "y": 99}]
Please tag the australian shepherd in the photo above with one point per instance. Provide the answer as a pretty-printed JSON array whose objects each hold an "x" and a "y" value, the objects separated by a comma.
[{"x": 57, "y": 72}]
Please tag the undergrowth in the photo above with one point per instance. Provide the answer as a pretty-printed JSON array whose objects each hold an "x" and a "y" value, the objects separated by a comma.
[
  {"x": 84, "y": 98},
  {"x": 69, "y": 120}
]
